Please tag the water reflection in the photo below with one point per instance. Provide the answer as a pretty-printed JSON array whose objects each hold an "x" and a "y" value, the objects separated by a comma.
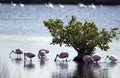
[
  {"x": 43, "y": 61},
  {"x": 61, "y": 70},
  {"x": 112, "y": 64},
  {"x": 29, "y": 65},
  {"x": 16, "y": 60},
  {"x": 84, "y": 71},
  {"x": 62, "y": 65}
]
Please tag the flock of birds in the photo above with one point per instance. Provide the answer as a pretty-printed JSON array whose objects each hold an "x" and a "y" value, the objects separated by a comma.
[
  {"x": 41, "y": 53},
  {"x": 63, "y": 55},
  {"x": 50, "y": 5}
]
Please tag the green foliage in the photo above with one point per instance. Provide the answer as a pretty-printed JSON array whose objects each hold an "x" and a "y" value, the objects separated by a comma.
[{"x": 82, "y": 37}]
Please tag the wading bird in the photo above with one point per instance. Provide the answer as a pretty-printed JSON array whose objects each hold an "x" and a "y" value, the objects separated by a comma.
[
  {"x": 62, "y": 55},
  {"x": 17, "y": 51},
  {"x": 111, "y": 58},
  {"x": 29, "y": 55},
  {"x": 42, "y": 52},
  {"x": 96, "y": 58},
  {"x": 88, "y": 59}
]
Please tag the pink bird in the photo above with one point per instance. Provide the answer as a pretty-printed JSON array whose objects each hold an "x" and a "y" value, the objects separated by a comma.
[
  {"x": 62, "y": 55},
  {"x": 96, "y": 58},
  {"x": 29, "y": 55},
  {"x": 88, "y": 59},
  {"x": 17, "y": 51},
  {"x": 42, "y": 52}
]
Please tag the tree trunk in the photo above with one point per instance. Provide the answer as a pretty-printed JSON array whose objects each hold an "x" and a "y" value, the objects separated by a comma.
[{"x": 79, "y": 57}]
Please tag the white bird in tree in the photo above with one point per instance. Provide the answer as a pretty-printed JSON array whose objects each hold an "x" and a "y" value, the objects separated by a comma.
[
  {"x": 111, "y": 58},
  {"x": 62, "y": 55}
]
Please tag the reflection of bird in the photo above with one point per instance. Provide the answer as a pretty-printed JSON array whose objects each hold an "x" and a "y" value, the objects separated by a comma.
[
  {"x": 87, "y": 59},
  {"x": 62, "y": 55},
  {"x": 111, "y": 58},
  {"x": 42, "y": 52},
  {"x": 17, "y": 51},
  {"x": 29, "y": 55},
  {"x": 96, "y": 58},
  {"x": 29, "y": 65}
]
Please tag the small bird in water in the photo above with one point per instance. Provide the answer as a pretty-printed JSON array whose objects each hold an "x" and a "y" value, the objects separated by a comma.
[{"x": 111, "y": 58}]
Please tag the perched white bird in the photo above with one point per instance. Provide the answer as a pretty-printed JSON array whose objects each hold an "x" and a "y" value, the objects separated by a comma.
[
  {"x": 22, "y": 5},
  {"x": 13, "y": 4},
  {"x": 49, "y": 5},
  {"x": 111, "y": 58},
  {"x": 82, "y": 5},
  {"x": 92, "y": 6},
  {"x": 61, "y": 6}
]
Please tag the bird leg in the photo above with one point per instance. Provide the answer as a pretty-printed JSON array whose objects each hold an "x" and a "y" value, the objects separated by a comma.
[{"x": 56, "y": 57}]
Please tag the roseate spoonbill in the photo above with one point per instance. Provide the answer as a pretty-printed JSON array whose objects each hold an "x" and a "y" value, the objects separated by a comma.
[
  {"x": 42, "y": 52},
  {"x": 111, "y": 58},
  {"x": 96, "y": 58},
  {"x": 62, "y": 55},
  {"x": 17, "y": 51},
  {"x": 88, "y": 59},
  {"x": 29, "y": 55}
]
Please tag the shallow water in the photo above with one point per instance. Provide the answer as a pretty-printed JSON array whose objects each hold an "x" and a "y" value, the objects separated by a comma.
[
  {"x": 46, "y": 67},
  {"x": 22, "y": 27}
]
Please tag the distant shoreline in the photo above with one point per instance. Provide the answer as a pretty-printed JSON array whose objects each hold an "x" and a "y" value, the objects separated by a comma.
[{"x": 97, "y": 2}]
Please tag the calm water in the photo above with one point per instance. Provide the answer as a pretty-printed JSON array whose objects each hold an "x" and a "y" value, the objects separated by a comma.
[{"x": 22, "y": 27}]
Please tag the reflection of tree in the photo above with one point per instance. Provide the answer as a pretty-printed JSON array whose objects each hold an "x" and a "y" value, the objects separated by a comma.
[
  {"x": 62, "y": 70},
  {"x": 84, "y": 71},
  {"x": 94, "y": 70},
  {"x": 105, "y": 71}
]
